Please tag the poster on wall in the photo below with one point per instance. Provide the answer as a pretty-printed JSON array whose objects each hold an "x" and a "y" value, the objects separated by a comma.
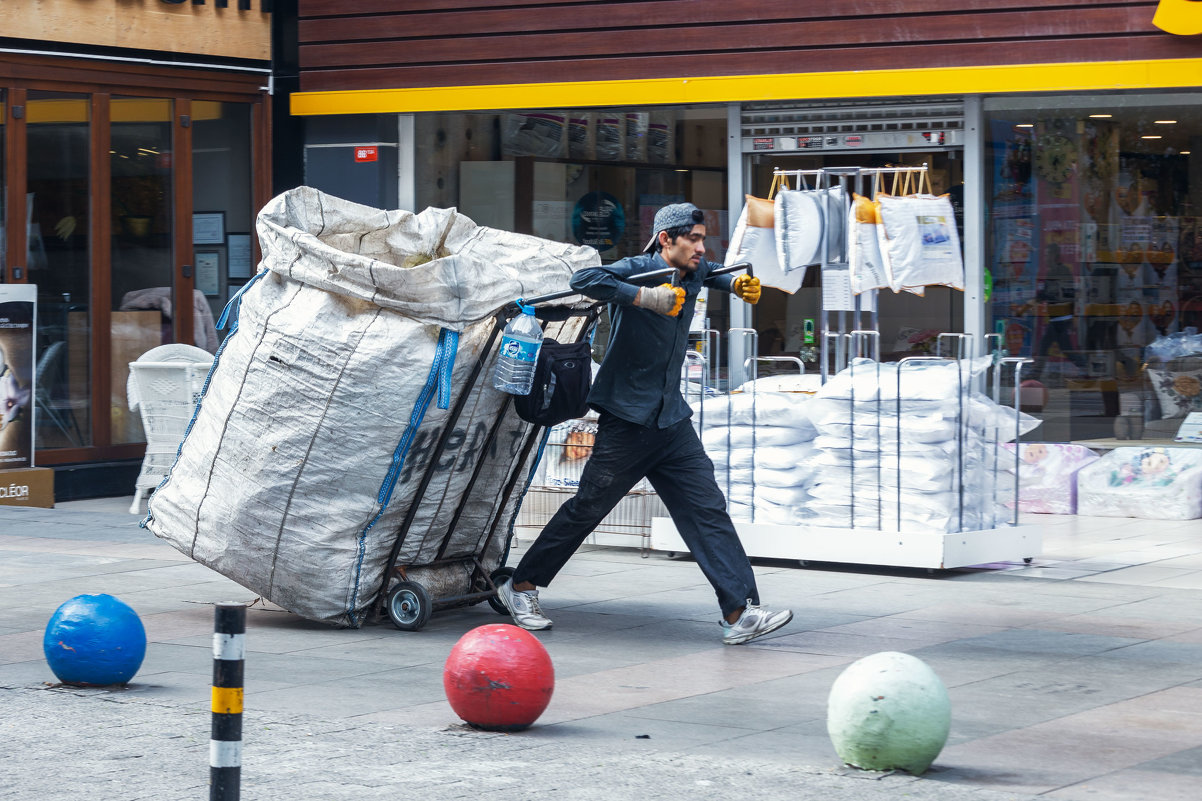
[
  {"x": 208, "y": 272},
  {"x": 18, "y": 305},
  {"x": 599, "y": 221}
]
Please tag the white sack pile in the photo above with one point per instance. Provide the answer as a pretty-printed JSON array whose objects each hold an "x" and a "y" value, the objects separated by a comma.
[
  {"x": 939, "y": 470},
  {"x": 761, "y": 443},
  {"x": 322, "y": 411}
]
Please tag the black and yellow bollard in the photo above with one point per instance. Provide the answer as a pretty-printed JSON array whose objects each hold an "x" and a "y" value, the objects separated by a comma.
[{"x": 225, "y": 743}]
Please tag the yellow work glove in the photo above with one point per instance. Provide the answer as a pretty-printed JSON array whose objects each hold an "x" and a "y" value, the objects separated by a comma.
[
  {"x": 663, "y": 299},
  {"x": 747, "y": 288}
]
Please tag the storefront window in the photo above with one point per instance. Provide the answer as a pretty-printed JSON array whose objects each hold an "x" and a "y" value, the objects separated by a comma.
[
  {"x": 221, "y": 170},
  {"x": 592, "y": 177},
  {"x": 58, "y": 203},
  {"x": 1094, "y": 249},
  {"x": 142, "y": 254},
  {"x": 909, "y": 324}
]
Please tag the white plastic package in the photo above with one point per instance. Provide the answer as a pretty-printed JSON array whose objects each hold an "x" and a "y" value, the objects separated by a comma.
[
  {"x": 749, "y": 408},
  {"x": 799, "y": 229},
  {"x": 868, "y": 267},
  {"x": 1153, "y": 483},
  {"x": 918, "y": 234}
]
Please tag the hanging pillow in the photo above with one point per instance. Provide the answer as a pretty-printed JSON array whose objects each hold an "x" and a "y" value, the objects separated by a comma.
[
  {"x": 754, "y": 240},
  {"x": 799, "y": 227},
  {"x": 920, "y": 242},
  {"x": 867, "y": 264}
]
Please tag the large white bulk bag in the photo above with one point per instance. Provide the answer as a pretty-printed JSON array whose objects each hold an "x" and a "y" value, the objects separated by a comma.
[{"x": 321, "y": 415}]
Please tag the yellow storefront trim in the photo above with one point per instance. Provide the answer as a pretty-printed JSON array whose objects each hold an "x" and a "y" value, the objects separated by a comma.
[{"x": 1090, "y": 76}]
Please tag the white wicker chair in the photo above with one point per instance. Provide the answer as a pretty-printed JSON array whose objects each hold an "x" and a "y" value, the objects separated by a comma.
[{"x": 164, "y": 387}]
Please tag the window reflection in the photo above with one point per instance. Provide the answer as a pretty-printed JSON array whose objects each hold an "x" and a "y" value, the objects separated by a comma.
[
  {"x": 221, "y": 189},
  {"x": 1094, "y": 248},
  {"x": 583, "y": 176},
  {"x": 142, "y": 254}
]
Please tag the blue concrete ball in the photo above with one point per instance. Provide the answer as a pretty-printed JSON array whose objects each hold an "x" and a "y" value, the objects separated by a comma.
[{"x": 94, "y": 640}]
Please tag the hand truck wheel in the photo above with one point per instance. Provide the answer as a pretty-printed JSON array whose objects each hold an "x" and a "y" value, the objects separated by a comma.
[
  {"x": 409, "y": 606},
  {"x": 499, "y": 575}
]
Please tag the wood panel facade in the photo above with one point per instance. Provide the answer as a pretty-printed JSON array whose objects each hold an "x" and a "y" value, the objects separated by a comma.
[
  {"x": 229, "y": 31},
  {"x": 433, "y": 43}
]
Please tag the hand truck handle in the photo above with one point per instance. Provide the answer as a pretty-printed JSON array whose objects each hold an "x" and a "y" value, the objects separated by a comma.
[{"x": 664, "y": 273}]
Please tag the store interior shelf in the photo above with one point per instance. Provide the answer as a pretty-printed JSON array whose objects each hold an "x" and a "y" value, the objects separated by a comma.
[{"x": 867, "y": 547}]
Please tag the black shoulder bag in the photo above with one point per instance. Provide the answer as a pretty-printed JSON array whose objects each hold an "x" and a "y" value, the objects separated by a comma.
[{"x": 563, "y": 376}]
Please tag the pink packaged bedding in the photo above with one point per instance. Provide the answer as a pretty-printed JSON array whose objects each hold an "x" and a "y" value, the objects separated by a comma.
[
  {"x": 1047, "y": 475},
  {"x": 1152, "y": 483}
]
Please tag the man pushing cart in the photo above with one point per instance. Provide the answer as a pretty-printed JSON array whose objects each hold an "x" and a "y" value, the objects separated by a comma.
[{"x": 644, "y": 430}]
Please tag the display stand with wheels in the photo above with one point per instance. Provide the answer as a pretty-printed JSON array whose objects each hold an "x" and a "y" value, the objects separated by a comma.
[{"x": 872, "y": 524}]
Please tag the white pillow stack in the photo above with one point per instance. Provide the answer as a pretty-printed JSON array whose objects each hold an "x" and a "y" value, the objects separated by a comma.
[
  {"x": 761, "y": 443},
  {"x": 914, "y": 450}
]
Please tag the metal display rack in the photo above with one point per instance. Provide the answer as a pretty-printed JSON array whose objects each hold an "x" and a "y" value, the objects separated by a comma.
[{"x": 985, "y": 528}]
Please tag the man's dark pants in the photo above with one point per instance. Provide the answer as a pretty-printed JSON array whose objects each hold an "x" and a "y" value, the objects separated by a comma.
[{"x": 675, "y": 463}]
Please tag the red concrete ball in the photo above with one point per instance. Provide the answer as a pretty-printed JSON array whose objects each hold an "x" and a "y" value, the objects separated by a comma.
[{"x": 498, "y": 678}]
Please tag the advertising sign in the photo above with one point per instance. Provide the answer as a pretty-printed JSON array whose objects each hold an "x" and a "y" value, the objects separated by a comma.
[
  {"x": 18, "y": 303},
  {"x": 598, "y": 221}
]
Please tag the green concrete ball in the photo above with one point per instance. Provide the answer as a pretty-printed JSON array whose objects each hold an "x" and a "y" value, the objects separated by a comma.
[{"x": 888, "y": 711}]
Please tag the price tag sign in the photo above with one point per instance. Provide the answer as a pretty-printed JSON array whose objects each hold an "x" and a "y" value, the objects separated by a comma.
[{"x": 367, "y": 154}]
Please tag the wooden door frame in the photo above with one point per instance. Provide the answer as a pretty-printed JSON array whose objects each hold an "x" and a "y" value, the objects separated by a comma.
[
  {"x": 15, "y": 179},
  {"x": 183, "y": 271}
]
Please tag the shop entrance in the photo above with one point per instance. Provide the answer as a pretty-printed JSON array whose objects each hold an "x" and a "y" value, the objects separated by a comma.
[
  {"x": 132, "y": 213},
  {"x": 874, "y": 135}
]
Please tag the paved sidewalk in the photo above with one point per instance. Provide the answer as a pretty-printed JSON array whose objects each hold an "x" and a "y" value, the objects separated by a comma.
[{"x": 1076, "y": 677}]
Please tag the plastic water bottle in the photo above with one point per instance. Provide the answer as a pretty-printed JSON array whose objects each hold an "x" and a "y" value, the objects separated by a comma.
[{"x": 520, "y": 343}]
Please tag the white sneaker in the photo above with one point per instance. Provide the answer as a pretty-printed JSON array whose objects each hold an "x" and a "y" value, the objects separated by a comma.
[
  {"x": 756, "y": 621},
  {"x": 523, "y": 606}
]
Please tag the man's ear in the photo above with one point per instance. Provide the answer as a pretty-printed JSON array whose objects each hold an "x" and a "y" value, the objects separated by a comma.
[{"x": 664, "y": 241}]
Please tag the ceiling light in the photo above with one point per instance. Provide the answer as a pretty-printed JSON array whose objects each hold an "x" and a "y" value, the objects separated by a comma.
[
  {"x": 1150, "y": 137},
  {"x": 1024, "y": 125},
  {"x": 1183, "y": 152},
  {"x": 1100, "y": 116},
  {"x": 1165, "y": 122}
]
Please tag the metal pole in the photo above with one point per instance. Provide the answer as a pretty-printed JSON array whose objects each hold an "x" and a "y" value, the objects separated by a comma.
[{"x": 225, "y": 743}]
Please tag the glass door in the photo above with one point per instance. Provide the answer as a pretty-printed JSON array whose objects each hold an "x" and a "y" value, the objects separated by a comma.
[
  {"x": 142, "y": 226},
  {"x": 58, "y": 242},
  {"x": 222, "y": 210}
]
